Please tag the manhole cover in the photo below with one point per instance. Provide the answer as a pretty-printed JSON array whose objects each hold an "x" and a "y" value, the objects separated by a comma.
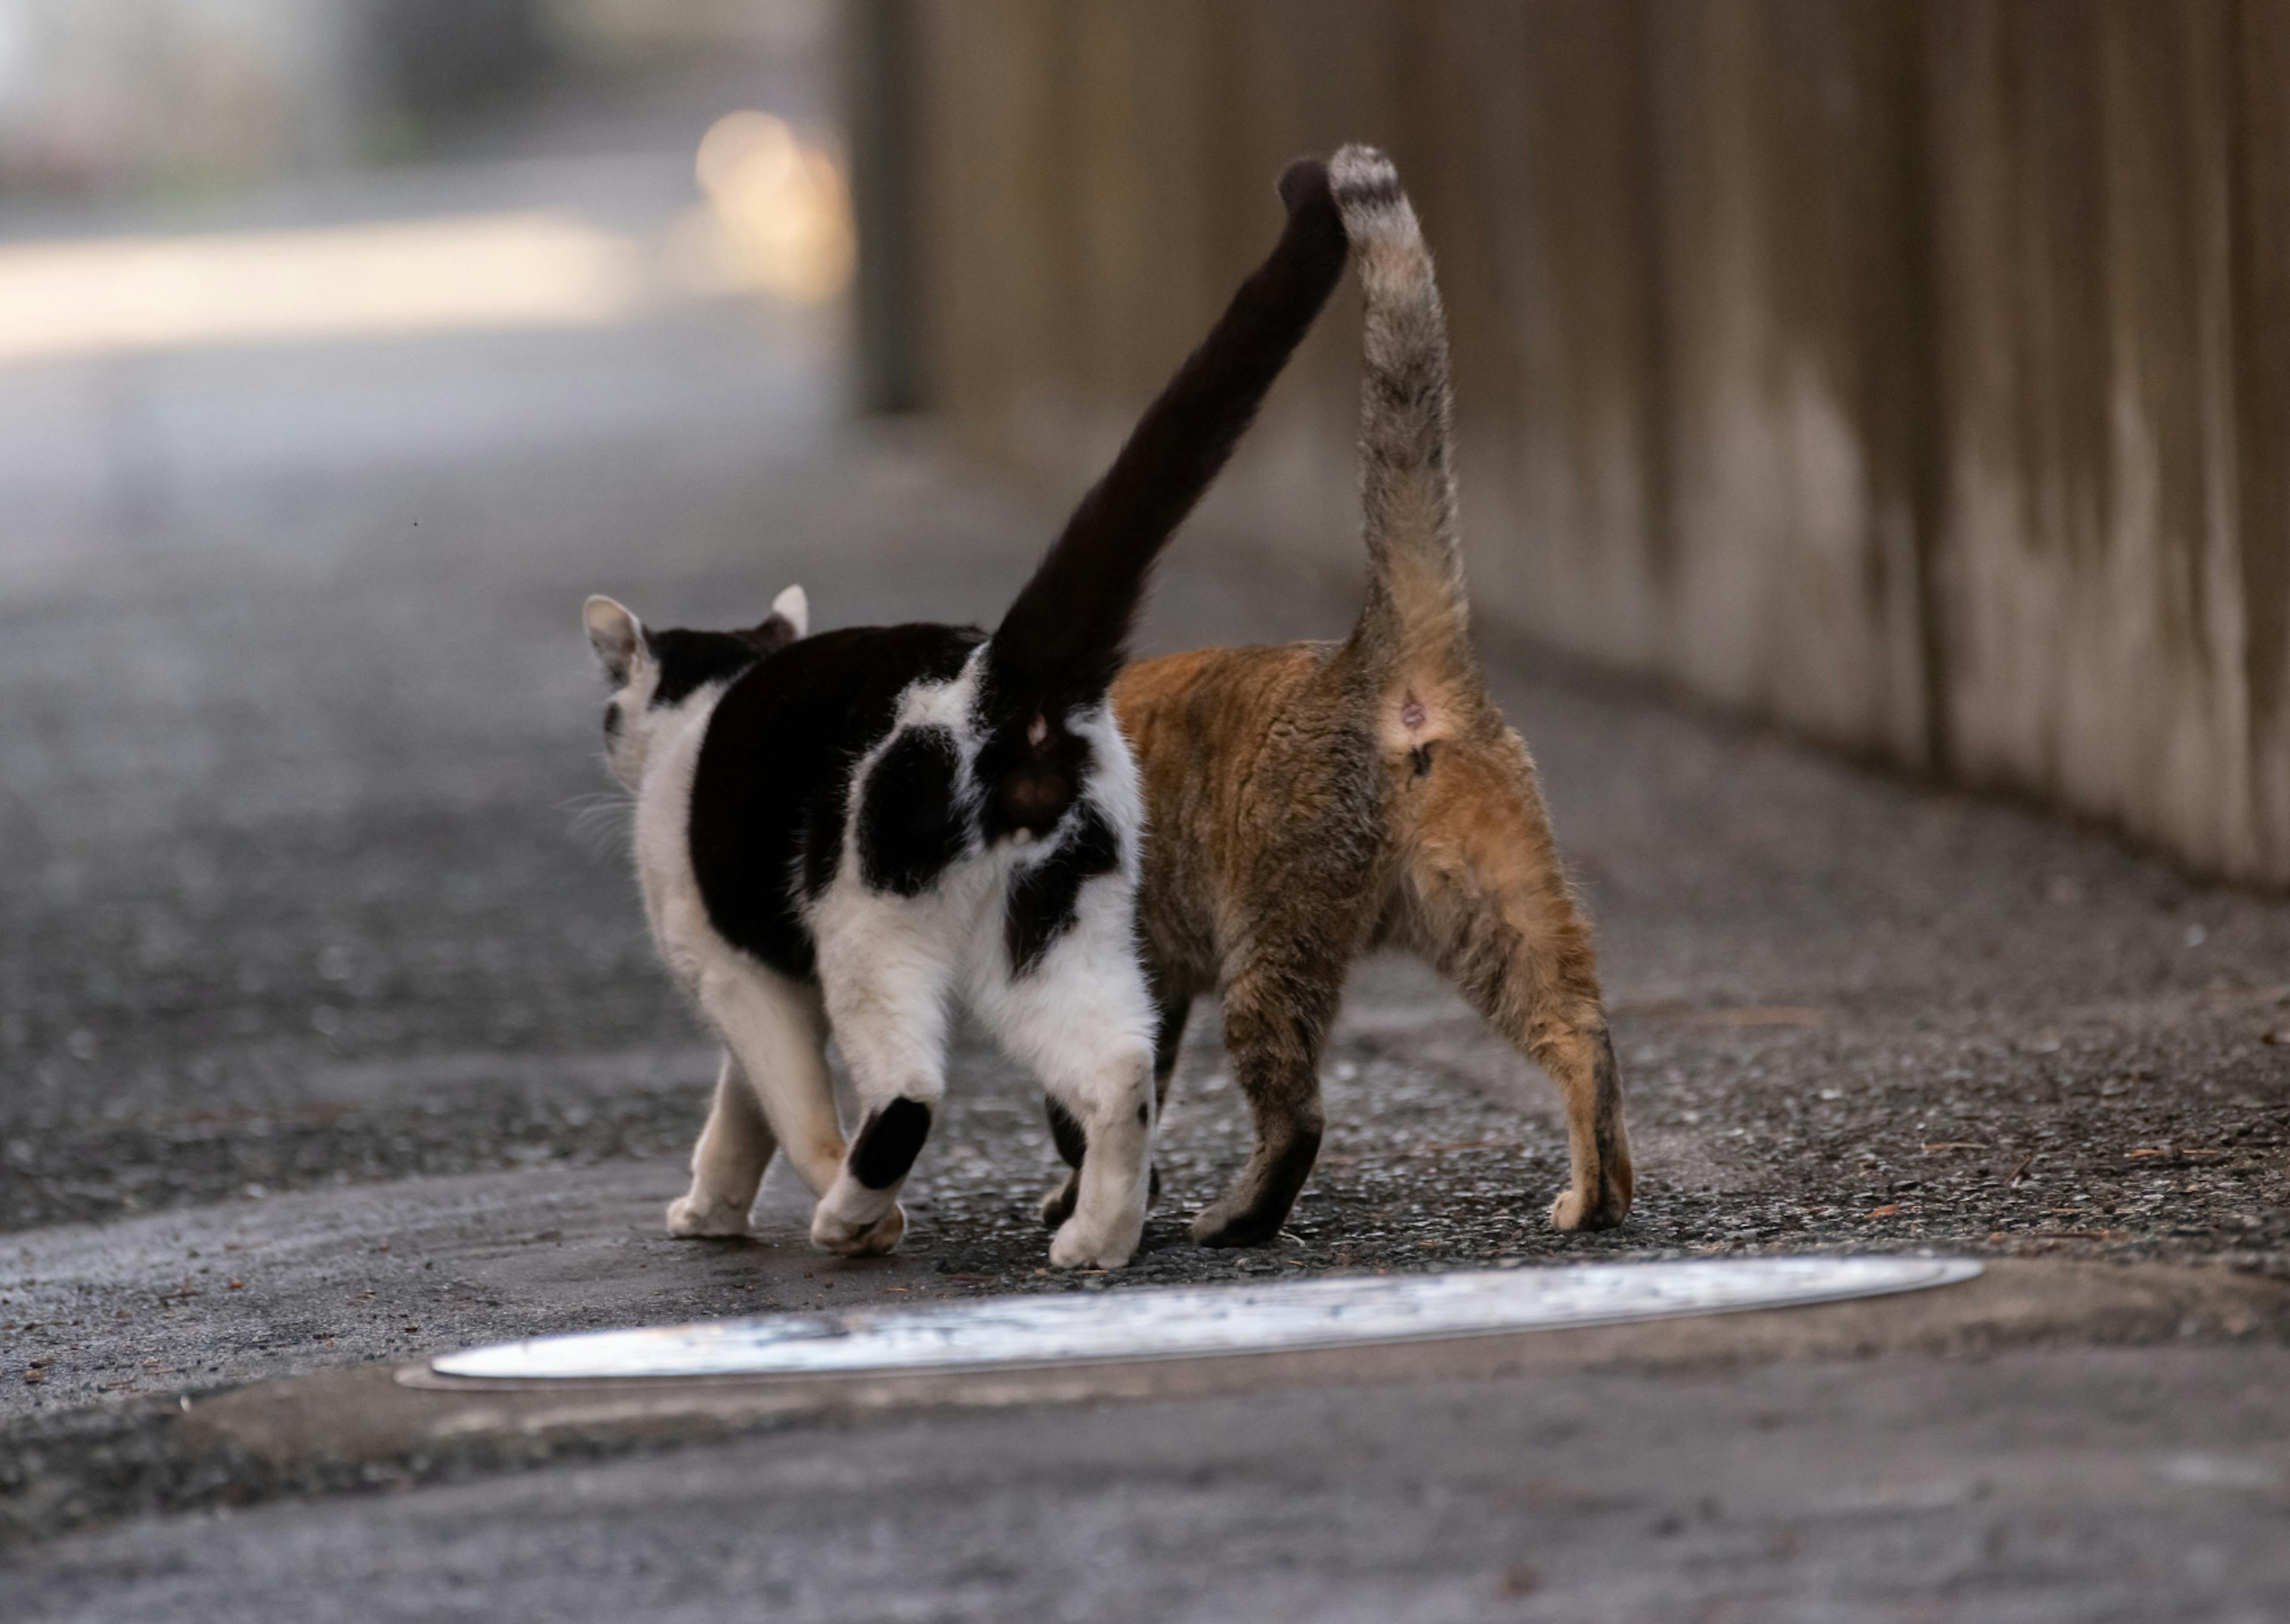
[{"x": 1191, "y": 1322}]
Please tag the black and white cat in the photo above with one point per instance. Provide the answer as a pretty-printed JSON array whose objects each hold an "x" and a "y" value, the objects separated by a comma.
[{"x": 846, "y": 832}]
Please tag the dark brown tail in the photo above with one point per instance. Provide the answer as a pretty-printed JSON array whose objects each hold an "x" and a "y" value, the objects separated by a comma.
[{"x": 1066, "y": 635}]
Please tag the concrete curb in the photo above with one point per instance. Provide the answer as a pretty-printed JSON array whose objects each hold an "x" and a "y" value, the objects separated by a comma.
[
  {"x": 361, "y": 1429},
  {"x": 375, "y": 1414}
]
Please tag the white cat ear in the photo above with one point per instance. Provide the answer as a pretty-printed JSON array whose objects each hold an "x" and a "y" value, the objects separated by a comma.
[
  {"x": 616, "y": 634},
  {"x": 793, "y": 607}
]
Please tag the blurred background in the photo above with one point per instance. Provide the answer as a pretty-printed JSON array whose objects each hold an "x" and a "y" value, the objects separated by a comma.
[
  {"x": 345, "y": 345},
  {"x": 1909, "y": 374}
]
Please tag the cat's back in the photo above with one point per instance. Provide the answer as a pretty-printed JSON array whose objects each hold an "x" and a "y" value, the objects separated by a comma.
[
  {"x": 1206, "y": 718},
  {"x": 838, "y": 691},
  {"x": 769, "y": 785},
  {"x": 1256, "y": 762}
]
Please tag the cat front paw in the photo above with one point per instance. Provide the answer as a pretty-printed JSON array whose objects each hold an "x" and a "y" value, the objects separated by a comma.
[
  {"x": 1231, "y": 1221},
  {"x": 1571, "y": 1212},
  {"x": 694, "y": 1217},
  {"x": 1075, "y": 1247},
  {"x": 848, "y": 1240}
]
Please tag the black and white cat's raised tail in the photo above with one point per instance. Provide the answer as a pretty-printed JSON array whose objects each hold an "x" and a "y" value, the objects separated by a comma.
[
  {"x": 844, "y": 833},
  {"x": 1066, "y": 634}
]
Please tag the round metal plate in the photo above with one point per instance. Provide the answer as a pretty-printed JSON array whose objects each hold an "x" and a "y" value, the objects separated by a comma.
[{"x": 1004, "y": 1332}]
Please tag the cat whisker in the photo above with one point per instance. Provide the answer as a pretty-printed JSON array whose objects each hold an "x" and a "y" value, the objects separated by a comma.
[{"x": 600, "y": 821}]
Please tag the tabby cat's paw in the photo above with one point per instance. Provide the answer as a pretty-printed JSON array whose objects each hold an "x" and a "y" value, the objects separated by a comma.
[
  {"x": 1570, "y": 1211},
  {"x": 1228, "y": 1222}
]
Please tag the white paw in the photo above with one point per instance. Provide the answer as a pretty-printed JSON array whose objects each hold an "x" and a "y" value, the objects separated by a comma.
[
  {"x": 1074, "y": 1247},
  {"x": 688, "y": 1216},
  {"x": 845, "y": 1239}
]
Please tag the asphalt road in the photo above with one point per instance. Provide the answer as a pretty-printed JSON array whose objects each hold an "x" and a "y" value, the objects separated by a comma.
[
  {"x": 2080, "y": 1487},
  {"x": 329, "y": 1032}
]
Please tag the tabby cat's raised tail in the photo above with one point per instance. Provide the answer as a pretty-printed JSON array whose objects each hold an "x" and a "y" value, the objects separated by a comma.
[
  {"x": 1066, "y": 635},
  {"x": 1416, "y": 615}
]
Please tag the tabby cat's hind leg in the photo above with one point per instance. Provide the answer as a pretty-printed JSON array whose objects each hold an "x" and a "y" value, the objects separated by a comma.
[
  {"x": 1276, "y": 1015},
  {"x": 1486, "y": 901},
  {"x": 728, "y": 1162}
]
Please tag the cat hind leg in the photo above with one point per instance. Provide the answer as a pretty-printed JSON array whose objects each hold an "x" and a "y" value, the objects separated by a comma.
[
  {"x": 728, "y": 1162},
  {"x": 886, "y": 980},
  {"x": 1277, "y": 1014},
  {"x": 775, "y": 1031},
  {"x": 1081, "y": 1017},
  {"x": 1168, "y": 1040},
  {"x": 1487, "y": 903}
]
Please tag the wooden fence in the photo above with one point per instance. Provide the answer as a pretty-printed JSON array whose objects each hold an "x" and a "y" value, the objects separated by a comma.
[{"x": 1914, "y": 375}]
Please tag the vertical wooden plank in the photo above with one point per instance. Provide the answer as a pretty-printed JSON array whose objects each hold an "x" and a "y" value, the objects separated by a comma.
[
  {"x": 1558, "y": 337},
  {"x": 1916, "y": 374},
  {"x": 2023, "y": 301},
  {"x": 2258, "y": 333},
  {"x": 2096, "y": 611},
  {"x": 1797, "y": 593}
]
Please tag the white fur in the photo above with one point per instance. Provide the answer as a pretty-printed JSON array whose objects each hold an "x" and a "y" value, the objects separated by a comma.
[{"x": 889, "y": 969}]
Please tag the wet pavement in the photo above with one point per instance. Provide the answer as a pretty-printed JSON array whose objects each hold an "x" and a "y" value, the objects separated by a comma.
[{"x": 329, "y": 1032}]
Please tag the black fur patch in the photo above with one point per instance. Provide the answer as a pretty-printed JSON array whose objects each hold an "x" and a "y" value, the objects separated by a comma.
[
  {"x": 1042, "y": 898},
  {"x": 768, "y": 793},
  {"x": 889, "y": 1141},
  {"x": 1421, "y": 757},
  {"x": 1030, "y": 784},
  {"x": 910, "y": 827},
  {"x": 689, "y": 660},
  {"x": 1072, "y": 1143},
  {"x": 823, "y": 846}
]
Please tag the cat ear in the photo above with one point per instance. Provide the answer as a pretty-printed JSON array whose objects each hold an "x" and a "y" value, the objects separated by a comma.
[
  {"x": 616, "y": 634},
  {"x": 794, "y": 608}
]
